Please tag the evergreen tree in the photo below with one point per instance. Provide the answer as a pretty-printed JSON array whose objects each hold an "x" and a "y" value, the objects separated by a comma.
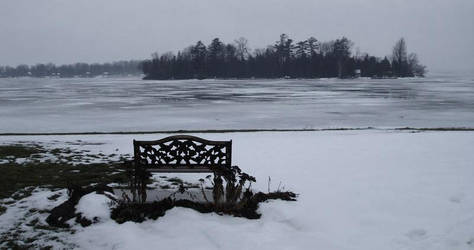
[
  {"x": 215, "y": 57},
  {"x": 198, "y": 54}
]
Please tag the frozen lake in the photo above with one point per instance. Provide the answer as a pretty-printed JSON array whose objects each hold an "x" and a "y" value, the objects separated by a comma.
[{"x": 131, "y": 104}]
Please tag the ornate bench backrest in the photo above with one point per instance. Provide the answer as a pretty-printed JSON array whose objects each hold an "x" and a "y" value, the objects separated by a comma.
[{"x": 182, "y": 153}]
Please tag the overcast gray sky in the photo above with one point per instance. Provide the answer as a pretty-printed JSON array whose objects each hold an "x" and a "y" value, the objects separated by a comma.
[{"x": 67, "y": 31}]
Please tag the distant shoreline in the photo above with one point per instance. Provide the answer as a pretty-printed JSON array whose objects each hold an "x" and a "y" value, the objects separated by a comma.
[
  {"x": 140, "y": 77},
  {"x": 216, "y": 131},
  {"x": 278, "y": 78}
]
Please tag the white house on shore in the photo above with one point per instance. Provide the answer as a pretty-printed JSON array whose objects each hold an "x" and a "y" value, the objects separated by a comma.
[{"x": 357, "y": 73}]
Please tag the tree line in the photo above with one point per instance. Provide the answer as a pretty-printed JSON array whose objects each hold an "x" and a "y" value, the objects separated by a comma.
[
  {"x": 285, "y": 58},
  {"x": 131, "y": 67}
]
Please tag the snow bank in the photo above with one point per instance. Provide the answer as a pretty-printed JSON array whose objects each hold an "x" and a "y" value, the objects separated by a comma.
[
  {"x": 94, "y": 206},
  {"x": 358, "y": 190}
]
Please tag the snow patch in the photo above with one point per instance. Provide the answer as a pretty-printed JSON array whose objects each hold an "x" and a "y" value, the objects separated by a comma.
[
  {"x": 94, "y": 206},
  {"x": 358, "y": 190}
]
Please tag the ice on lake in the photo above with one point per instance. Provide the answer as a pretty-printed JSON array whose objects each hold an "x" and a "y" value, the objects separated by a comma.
[{"x": 131, "y": 104}]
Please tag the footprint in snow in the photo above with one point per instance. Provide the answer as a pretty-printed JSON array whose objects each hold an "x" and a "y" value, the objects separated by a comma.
[{"x": 416, "y": 234}]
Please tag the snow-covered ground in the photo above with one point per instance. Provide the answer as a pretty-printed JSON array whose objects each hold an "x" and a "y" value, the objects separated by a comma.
[
  {"x": 131, "y": 104},
  {"x": 358, "y": 190}
]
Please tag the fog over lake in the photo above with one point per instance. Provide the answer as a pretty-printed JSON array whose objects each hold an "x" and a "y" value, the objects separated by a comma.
[{"x": 131, "y": 104}]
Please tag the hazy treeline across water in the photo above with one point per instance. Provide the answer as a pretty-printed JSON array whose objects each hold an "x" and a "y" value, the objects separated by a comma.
[
  {"x": 131, "y": 67},
  {"x": 285, "y": 58}
]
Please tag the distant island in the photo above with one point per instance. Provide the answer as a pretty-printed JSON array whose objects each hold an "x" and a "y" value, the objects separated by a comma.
[{"x": 283, "y": 59}]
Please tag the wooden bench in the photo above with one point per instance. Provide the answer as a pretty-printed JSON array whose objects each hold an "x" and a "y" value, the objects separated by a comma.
[{"x": 182, "y": 154}]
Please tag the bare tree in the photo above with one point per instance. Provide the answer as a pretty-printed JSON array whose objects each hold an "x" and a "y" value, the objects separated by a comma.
[
  {"x": 326, "y": 48},
  {"x": 400, "y": 58},
  {"x": 342, "y": 51},
  {"x": 415, "y": 68},
  {"x": 243, "y": 50}
]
